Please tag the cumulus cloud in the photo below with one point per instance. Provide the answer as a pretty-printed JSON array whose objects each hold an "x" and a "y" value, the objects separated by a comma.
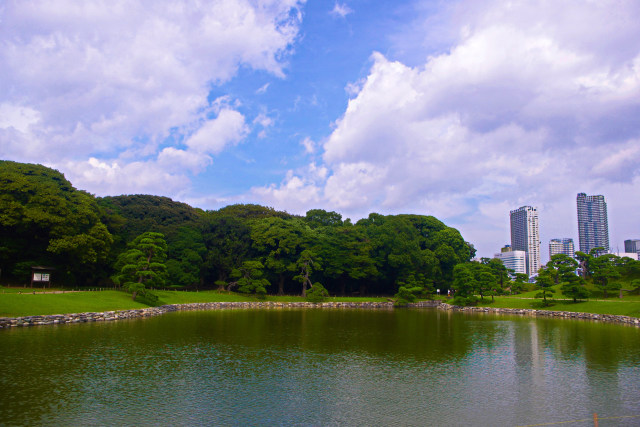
[
  {"x": 98, "y": 77},
  {"x": 528, "y": 106},
  {"x": 137, "y": 177}
]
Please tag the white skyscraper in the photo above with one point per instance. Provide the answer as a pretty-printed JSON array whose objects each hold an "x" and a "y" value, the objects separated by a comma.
[
  {"x": 525, "y": 236},
  {"x": 514, "y": 260}
]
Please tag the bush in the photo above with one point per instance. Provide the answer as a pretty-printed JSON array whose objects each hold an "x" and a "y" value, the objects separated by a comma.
[
  {"x": 406, "y": 295},
  {"x": 317, "y": 293},
  {"x": 465, "y": 301}
]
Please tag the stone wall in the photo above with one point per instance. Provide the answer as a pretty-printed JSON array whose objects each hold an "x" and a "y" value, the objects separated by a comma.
[
  {"x": 56, "y": 319},
  {"x": 612, "y": 318}
]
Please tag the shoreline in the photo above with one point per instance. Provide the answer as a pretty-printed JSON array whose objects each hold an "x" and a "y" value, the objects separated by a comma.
[{"x": 61, "y": 319}]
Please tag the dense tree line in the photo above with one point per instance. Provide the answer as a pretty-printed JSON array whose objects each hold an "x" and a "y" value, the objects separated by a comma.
[{"x": 45, "y": 221}]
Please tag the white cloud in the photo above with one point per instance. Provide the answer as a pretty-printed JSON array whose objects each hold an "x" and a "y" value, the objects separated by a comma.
[
  {"x": 138, "y": 177},
  {"x": 309, "y": 145},
  {"x": 226, "y": 129},
  {"x": 341, "y": 10},
  {"x": 98, "y": 77},
  {"x": 528, "y": 106},
  {"x": 263, "y": 88},
  {"x": 177, "y": 160}
]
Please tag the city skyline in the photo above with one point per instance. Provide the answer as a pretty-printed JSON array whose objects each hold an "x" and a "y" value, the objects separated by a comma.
[{"x": 461, "y": 110}]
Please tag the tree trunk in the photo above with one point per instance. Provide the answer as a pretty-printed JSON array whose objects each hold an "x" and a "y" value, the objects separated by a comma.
[
  {"x": 343, "y": 287},
  {"x": 281, "y": 285},
  {"x": 363, "y": 289},
  {"x": 135, "y": 293}
]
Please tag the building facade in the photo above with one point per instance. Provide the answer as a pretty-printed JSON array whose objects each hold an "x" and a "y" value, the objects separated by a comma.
[
  {"x": 561, "y": 246},
  {"x": 525, "y": 236},
  {"x": 593, "y": 225},
  {"x": 632, "y": 245},
  {"x": 513, "y": 260}
]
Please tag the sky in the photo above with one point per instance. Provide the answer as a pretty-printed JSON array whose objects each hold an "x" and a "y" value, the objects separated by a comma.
[{"x": 463, "y": 110}]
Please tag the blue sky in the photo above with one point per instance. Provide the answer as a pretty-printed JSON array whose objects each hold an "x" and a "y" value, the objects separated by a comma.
[{"x": 463, "y": 110}]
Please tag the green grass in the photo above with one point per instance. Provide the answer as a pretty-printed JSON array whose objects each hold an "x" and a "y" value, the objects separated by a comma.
[
  {"x": 16, "y": 302},
  {"x": 612, "y": 306}
]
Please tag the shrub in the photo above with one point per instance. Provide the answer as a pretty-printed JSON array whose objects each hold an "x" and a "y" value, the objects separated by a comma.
[{"x": 317, "y": 293}]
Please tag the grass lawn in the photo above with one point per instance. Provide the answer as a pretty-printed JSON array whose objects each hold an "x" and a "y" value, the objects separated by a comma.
[{"x": 16, "y": 302}]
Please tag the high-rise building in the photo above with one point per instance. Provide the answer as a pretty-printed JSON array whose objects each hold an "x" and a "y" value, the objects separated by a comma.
[
  {"x": 632, "y": 245},
  {"x": 561, "y": 246},
  {"x": 593, "y": 226},
  {"x": 513, "y": 260},
  {"x": 525, "y": 236}
]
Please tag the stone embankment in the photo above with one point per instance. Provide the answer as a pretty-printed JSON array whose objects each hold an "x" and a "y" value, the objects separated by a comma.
[
  {"x": 611, "y": 318},
  {"x": 56, "y": 319}
]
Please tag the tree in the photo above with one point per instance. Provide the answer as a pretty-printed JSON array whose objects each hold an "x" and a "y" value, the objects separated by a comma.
[
  {"x": 307, "y": 263},
  {"x": 498, "y": 269},
  {"x": 486, "y": 282},
  {"x": 227, "y": 242},
  {"x": 584, "y": 261},
  {"x": 278, "y": 242},
  {"x": 544, "y": 282},
  {"x": 321, "y": 218},
  {"x": 563, "y": 270},
  {"x": 142, "y": 265},
  {"x": 562, "y": 267},
  {"x": 250, "y": 280},
  {"x": 464, "y": 284},
  {"x": 573, "y": 287},
  {"x": 413, "y": 287},
  {"x": 605, "y": 273},
  {"x": 317, "y": 293},
  {"x": 45, "y": 220},
  {"x": 519, "y": 283}
]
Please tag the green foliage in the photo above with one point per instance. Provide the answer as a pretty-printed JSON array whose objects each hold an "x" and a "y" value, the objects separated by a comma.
[
  {"x": 519, "y": 283},
  {"x": 317, "y": 293},
  {"x": 280, "y": 243},
  {"x": 544, "y": 282},
  {"x": 142, "y": 265},
  {"x": 465, "y": 301},
  {"x": 250, "y": 280},
  {"x": 464, "y": 281},
  {"x": 406, "y": 295},
  {"x": 307, "y": 264},
  {"x": 139, "y": 213},
  {"x": 45, "y": 221},
  {"x": 43, "y": 217},
  {"x": 227, "y": 242},
  {"x": 321, "y": 218},
  {"x": 606, "y": 273},
  {"x": 249, "y": 212}
]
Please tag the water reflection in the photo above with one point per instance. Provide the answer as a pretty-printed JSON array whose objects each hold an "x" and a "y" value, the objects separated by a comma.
[{"x": 413, "y": 367}]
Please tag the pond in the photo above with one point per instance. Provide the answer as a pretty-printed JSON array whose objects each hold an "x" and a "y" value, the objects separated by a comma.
[{"x": 321, "y": 367}]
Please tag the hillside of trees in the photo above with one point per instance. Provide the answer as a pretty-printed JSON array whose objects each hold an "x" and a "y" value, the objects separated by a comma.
[{"x": 45, "y": 221}]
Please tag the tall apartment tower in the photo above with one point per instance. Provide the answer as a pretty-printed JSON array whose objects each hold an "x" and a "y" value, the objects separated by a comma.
[
  {"x": 525, "y": 236},
  {"x": 593, "y": 226},
  {"x": 561, "y": 246}
]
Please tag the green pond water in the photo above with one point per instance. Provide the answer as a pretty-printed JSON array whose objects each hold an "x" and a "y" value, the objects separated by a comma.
[{"x": 321, "y": 367}]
